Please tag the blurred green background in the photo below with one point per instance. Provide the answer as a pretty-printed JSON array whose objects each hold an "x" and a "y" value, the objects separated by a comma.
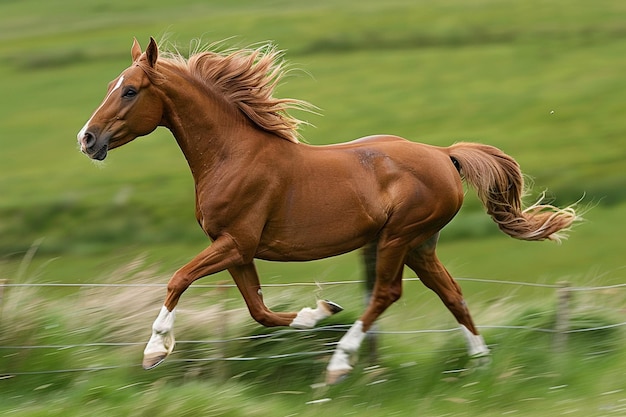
[{"x": 544, "y": 81}]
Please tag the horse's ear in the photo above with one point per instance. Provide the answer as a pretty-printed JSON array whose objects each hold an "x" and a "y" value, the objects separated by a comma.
[
  {"x": 152, "y": 52},
  {"x": 135, "y": 51}
]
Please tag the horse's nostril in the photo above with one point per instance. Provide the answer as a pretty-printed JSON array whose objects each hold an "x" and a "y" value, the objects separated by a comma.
[{"x": 89, "y": 140}]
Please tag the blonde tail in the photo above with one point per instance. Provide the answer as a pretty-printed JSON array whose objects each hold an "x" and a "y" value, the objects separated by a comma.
[{"x": 499, "y": 183}]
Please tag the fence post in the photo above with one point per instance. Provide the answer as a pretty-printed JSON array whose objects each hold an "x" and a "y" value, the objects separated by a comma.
[
  {"x": 3, "y": 283},
  {"x": 222, "y": 330},
  {"x": 564, "y": 296}
]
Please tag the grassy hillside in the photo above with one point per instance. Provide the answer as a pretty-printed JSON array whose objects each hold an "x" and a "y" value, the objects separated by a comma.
[{"x": 542, "y": 80}]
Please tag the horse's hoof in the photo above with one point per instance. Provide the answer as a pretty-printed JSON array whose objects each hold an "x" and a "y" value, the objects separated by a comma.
[
  {"x": 333, "y": 308},
  {"x": 153, "y": 360},
  {"x": 158, "y": 348},
  {"x": 307, "y": 318},
  {"x": 336, "y": 376}
]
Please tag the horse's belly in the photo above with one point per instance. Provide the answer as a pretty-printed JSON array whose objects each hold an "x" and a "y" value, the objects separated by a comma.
[
  {"x": 295, "y": 251},
  {"x": 317, "y": 240}
]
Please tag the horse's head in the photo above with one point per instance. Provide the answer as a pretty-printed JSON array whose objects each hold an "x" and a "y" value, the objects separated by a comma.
[{"x": 131, "y": 108}]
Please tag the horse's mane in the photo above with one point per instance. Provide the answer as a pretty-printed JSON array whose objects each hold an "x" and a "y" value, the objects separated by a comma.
[{"x": 247, "y": 78}]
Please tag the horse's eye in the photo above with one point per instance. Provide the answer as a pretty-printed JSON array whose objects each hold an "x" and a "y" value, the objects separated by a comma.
[{"x": 129, "y": 93}]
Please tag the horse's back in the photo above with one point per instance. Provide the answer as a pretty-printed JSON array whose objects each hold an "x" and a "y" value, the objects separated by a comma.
[
  {"x": 384, "y": 162},
  {"x": 345, "y": 194},
  {"x": 426, "y": 162}
]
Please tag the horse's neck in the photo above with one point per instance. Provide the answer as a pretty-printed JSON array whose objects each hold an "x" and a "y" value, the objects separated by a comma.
[{"x": 207, "y": 130}]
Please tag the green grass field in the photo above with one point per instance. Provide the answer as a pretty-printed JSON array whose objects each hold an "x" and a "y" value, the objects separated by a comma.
[{"x": 541, "y": 80}]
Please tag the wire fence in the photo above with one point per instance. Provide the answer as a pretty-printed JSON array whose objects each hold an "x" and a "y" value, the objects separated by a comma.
[
  {"x": 564, "y": 293},
  {"x": 8, "y": 284}
]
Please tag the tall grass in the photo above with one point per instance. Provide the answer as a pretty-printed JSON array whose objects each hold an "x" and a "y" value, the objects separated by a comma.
[{"x": 79, "y": 354}]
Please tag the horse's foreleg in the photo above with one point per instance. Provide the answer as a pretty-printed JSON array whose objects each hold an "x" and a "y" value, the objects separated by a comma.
[
  {"x": 222, "y": 254},
  {"x": 247, "y": 281},
  {"x": 434, "y": 275},
  {"x": 387, "y": 289}
]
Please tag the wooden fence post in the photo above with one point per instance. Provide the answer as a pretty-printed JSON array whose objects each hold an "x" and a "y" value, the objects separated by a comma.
[
  {"x": 222, "y": 330},
  {"x": 564, "y": 296},
  {"x": 3, "y": 283}
]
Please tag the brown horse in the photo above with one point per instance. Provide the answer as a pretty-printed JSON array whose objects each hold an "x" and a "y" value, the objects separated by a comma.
[{"x": 262, "y": 194}]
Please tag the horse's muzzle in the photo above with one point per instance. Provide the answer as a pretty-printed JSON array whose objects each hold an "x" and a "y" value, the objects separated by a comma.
[{"x": 89, "y": 146}]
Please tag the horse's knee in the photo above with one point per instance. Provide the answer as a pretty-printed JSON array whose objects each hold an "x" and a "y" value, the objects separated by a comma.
[
  {"x": 175, "y": 287},
  {"x": 391, "y": 293},
  {"x": 263, "y": 320},
  {"x": 395, "y": 292},
  {"x": 263, "y": 317},
  {"x": 178, "y": 284},
  {"x": 386, "y": 298}
]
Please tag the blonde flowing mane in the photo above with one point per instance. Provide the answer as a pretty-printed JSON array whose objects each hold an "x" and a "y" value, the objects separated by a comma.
[{"x": 247, "y": 78}]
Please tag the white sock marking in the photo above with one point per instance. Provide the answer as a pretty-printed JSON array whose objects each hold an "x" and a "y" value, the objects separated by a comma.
[
  {"x": 307, "y": 318},
  {"x": 349, "y": 343},
  {"x": 476, "y": 346},
  {"x": 161, "y": 333}
]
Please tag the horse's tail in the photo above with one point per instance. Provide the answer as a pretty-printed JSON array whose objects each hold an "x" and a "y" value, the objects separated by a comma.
[{"x": 499, "y": 183}]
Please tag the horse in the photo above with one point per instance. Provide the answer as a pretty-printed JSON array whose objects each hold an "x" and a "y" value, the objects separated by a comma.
[{"x": 262, "y": 193}]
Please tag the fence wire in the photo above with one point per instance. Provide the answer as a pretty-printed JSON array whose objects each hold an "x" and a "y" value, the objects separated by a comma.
[
  {"x": 275, "y": 334},
  {"x": 298, "y": 284}
]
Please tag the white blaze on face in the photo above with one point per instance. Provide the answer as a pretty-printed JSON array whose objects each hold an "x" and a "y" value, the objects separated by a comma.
[{"x": 81, "y": 134}]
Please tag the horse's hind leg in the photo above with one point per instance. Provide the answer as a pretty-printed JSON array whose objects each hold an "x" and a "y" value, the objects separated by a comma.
[{"x": 423, "y": 260}]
